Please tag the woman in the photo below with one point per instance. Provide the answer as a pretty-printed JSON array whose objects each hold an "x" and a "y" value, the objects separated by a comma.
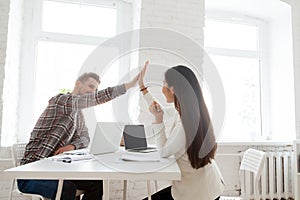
[{"x": 191, "y": 138}]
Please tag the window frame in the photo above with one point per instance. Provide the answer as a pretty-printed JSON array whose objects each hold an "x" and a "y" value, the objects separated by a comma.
[
  {"x": 265, "y": 114},
  {"x": 33, "y": 33}
]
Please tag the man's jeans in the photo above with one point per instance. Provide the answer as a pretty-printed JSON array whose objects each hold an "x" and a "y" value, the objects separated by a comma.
[{"x": 47, "y": 188}]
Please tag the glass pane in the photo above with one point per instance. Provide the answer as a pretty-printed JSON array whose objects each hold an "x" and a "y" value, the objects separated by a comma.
[
  {"x": 57, "y": 69},
  {"x": 78, "y": 19},
  {"x": 109, "y": 78},
  {"x": 220, "y": 34},
  {"x": 240, "y": 77}
]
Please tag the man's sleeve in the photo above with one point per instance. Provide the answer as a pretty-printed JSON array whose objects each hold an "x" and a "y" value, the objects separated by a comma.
[
  {"x": 69, "y": 103},
  {"x": 81, "y": 139},
  {"x": 110, "y": 93}
]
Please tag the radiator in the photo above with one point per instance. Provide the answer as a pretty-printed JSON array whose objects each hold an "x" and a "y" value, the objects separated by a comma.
[{"x": 276, "y": 178}]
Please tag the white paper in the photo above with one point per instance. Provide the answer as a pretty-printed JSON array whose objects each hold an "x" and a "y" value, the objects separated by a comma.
[
  {"x": 70, "y": 158},
  {"x": 141, "y": 157}
]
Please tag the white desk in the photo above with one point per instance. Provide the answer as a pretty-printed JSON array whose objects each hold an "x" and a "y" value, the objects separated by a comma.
[{"x": 106, "y": 167}]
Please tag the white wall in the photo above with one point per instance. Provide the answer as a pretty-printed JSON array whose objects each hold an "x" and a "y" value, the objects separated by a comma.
[
  {"x": 281, "y": 77},
  {"x": 4, "y": 16},
  {"x": 296, "y": 52},
  {"x": 10, "y": 45},
  {"x": 174, "y": 17},
  {"x": 183, "y": 18},
  {"x": 11, "y": 84}
]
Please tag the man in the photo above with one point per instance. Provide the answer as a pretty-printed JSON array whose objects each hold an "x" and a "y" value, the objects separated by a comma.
[{"x": 60, "y": 128}]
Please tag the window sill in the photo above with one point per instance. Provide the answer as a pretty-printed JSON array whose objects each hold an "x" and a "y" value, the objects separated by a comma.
[{"x": 259, "y": 142}]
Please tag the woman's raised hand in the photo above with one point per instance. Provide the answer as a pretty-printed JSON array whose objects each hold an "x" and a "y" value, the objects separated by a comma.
[{"x": 142, "y": 75}]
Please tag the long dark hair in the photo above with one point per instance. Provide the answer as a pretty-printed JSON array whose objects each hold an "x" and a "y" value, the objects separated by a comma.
[{"x": 188, "y": 99}]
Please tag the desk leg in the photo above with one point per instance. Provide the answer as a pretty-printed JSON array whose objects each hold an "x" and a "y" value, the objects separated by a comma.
[
  {"x": 149, "y": 190},
  {"x": 124, "y": 189},
  {"x": 106, "y": 189},
  {"x": 59, "y": 189}
]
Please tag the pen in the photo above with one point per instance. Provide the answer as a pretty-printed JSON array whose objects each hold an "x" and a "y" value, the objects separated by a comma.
[
  {"x": 74, "y": 153},
  {"x": 65, "y": 159},
  {"x": 156, "y": 107}
]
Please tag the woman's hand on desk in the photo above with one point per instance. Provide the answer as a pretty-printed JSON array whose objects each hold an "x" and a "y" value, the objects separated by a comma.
[{"x": 68, "y": 147}]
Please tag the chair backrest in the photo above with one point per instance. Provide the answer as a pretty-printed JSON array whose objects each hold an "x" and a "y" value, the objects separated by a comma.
[
  {"x": 18, "y": 151},
  {"x": 253, "y": 161}
]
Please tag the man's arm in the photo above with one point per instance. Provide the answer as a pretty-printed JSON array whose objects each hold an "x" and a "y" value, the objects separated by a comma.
[
  {"x": 132, "y": 82},
  {"x": 80, "y": 138},
  {"x": 75, "y": 102},
  {"x": 68, "y": 147},
  {"x": 79, "y": 141}
]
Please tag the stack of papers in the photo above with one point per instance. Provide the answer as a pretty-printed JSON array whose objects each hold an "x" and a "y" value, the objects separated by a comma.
[
  {"x": 69, "y": 157},
  {"x": 141, "y": 157}
]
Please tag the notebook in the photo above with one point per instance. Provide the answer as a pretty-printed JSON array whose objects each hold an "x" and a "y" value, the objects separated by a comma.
[
  {"x": 106, "y": 138},
  {"x": 135, "y": 139}
]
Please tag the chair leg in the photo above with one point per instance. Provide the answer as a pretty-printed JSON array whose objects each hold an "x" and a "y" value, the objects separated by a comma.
[
  {"x": 156, "y": 185},
  {"x": 149, "y": 189}
]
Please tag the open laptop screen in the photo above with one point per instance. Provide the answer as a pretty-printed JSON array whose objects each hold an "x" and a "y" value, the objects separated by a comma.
[
  {"x": 107, "y": 137},
  {"x": 134, "y": 137}
]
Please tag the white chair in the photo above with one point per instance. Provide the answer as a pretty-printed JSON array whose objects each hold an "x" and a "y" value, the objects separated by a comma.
[
  {"x": 18, "y": 151},
  {"x": 17, "y": 154},
  {"x": 253, "y": 161}
]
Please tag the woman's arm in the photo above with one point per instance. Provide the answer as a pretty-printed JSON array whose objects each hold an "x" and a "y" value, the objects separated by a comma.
[
  {"x": 174, "y": 144},
  {"x": 147, "y": 96}
]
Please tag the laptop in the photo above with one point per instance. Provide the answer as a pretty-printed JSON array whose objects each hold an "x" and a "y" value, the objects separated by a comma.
[
  {"x": 107, "y": 137},
  {"x": 135, "y": 139}
]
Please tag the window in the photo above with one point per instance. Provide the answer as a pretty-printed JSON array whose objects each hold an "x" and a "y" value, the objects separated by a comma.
[
  {"x": 79, "y": 19},
  {"x": 63, "y": 59},
  {"x": 57, "y": 66},
  {"x": 252, "y": 33},
  {"x": 235, "y": 50},
  {"x": 58, "y": 36}
]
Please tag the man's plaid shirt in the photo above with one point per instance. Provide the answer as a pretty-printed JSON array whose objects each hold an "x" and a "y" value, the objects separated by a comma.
[{"x": 62, "y": 123}]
